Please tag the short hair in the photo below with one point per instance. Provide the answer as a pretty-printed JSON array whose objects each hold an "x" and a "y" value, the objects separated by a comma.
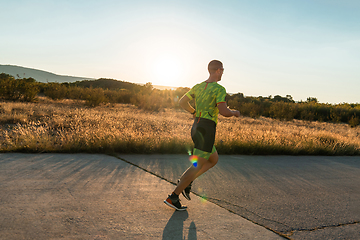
[{"x": 214, "y": 65}]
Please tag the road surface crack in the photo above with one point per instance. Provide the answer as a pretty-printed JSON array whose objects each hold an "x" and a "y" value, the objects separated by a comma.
[
  {"x": 214, "y": 201},
  {"x": 324, "y": 227},
  {"x": 71, "y": 193},
  {"x": 218, "y": 203}
]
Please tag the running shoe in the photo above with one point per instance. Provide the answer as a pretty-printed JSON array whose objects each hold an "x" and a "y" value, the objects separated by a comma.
[
  {"x": 186, "y": 191},
  {"x": 174, "y": 203}
]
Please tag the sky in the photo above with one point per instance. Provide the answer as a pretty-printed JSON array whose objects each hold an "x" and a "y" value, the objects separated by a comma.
[{"x": 308, "y": 48}]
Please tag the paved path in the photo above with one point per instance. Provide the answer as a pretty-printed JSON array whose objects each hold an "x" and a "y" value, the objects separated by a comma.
[
  {"x": 90, "y": 196},
  {"x": 303, "y": 197}
]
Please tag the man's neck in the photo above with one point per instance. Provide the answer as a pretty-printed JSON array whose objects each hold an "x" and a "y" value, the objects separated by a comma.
[{"x": 212, "y": 79}]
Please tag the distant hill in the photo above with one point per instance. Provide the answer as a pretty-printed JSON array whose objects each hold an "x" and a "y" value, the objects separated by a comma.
[
  {"x": 115, "y": 84},
  {"x": 38, "y": 75},
  {"x": 44, "y": 76}
]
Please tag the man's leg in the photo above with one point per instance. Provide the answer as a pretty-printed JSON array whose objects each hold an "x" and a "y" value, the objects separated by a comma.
[
  {"x": 193, "y": 172},
  {"x": 189, "y": 175},
  {"x": 213, "y": 159}
]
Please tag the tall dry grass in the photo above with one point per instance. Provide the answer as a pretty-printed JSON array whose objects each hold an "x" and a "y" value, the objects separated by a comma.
[
  {"x": 68, "y": 126},
  {"x": 270, "y": 136}
]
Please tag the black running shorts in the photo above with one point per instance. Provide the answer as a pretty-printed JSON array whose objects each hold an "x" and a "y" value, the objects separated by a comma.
[{"x": 203, "y": 135}]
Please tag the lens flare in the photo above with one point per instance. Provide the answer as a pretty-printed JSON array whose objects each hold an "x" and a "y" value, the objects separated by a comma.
[
  {"x": 194, "y": 160},
  {"x": 203, "y": 198}
]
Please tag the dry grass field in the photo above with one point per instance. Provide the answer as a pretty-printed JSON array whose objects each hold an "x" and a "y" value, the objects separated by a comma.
[{"x": 69, "y": 126}]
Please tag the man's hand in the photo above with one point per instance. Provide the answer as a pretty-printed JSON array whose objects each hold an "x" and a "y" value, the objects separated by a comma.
[
  {"x": 194, "y": 115},
  {"x": 227, "y": 112},
  {"x": 236, "y": 113}
]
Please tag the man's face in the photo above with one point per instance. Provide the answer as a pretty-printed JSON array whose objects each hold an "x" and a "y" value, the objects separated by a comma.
[{"x": 220, "y": 72}]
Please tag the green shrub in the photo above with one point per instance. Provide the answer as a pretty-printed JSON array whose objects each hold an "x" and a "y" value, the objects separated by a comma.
[
  {"x": 283, "y": 111},
  {"x": 354, "y": 121},
  {"x": 118, "y": 96},
  {"x": 94, "y": 97},
  {"x": 13, "y": 89},
  {"x": 56, "y": 91},
  {"x": 152, "y": 102}
]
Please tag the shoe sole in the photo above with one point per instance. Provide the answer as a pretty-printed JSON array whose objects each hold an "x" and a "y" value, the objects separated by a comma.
[{"x": 177, "y": 209}]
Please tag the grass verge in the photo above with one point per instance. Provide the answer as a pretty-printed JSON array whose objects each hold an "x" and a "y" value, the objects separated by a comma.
[{"x": 69, "y": 126}]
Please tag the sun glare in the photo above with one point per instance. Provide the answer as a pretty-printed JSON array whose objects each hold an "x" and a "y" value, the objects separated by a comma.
[
  {"x": 167, "y": 71},
  {"x": 165, "y": 57}
]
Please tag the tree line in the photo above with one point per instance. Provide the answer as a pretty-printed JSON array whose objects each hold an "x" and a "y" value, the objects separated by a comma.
[
  {"x": 94, "y": 92},
  {"x": 102, "y": 91},
  {"x": 285, "y": 108}
]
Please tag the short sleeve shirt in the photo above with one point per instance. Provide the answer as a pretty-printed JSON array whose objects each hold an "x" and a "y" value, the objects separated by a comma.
[{"x": 207, "y": 96}]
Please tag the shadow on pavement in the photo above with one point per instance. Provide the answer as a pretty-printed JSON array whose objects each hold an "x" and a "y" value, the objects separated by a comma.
[
  {"x": 192, "y": 231},
  {"x": 175, "y": 227}
]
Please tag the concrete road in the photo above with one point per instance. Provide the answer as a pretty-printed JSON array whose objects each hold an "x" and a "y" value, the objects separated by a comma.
[
  {"x": 90, "y": 196},
  {"x": 303, "y": 197}
]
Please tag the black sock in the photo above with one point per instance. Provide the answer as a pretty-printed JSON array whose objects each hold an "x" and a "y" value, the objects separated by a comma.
[{"x": 174, "y": 195}]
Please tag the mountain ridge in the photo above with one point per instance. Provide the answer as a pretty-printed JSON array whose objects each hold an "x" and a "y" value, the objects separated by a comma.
[
  {"x": 45, "y": 76},
  {"x": 38, "y": 75}
]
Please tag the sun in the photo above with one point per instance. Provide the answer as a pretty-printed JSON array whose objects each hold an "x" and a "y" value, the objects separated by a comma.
[{"x": 167, "y": 71}]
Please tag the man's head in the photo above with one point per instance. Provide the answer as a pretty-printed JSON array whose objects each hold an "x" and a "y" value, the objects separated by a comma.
[
  {"x": 214, "y": 65},
  {"x": 216, "y": 69}
]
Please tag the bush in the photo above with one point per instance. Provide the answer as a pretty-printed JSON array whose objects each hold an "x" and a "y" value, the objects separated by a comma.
[
  {"x": 119, "y": 96},
  {"x": 56, "y": 91},
  {"x": 78, "y": 93},
  {"x": 28, "y": 89},
  {"x": 283, "y": 110},
  {"x": 354, "y": 121},
  {"x": 94, "y": 97},
  {"x": 13, "y": 89},
  {"x": 149, "y": 102}
]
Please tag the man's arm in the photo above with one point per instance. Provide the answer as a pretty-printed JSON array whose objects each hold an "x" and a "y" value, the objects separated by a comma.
[
  {"x": 185, "y": 104},
  {"x": 226, "y": 112}
]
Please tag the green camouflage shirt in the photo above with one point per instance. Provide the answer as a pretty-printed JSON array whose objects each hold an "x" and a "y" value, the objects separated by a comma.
[{"x": 207, "y": 97}]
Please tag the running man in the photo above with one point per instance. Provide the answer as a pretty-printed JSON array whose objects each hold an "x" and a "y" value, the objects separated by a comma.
[{"x": 209, "y": 101}]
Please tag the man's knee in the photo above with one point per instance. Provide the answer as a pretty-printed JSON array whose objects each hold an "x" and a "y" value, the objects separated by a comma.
[{"x": 214, "y": 158}]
